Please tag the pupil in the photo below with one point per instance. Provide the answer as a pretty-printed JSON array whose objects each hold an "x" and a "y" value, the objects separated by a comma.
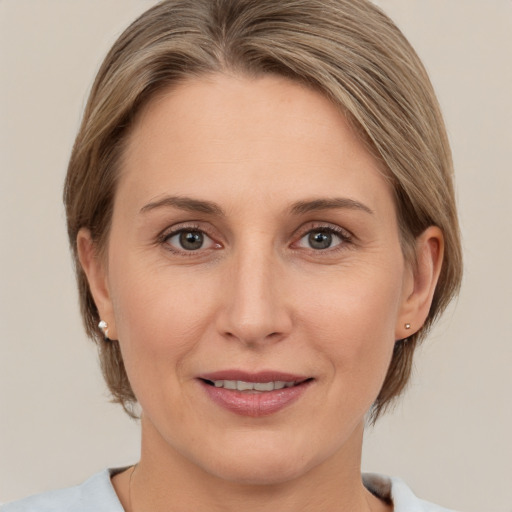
[
  {"x": 191, "y": 240},
  {"x": 320, "y": 240}
]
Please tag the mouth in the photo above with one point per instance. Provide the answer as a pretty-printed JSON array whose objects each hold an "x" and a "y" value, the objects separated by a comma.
[
  {"x": 254, "y": 395},
  {"x": 257, "y": 387}
]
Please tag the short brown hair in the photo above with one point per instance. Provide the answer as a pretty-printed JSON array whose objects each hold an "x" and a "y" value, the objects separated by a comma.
[{"x": 347, "y": 50}]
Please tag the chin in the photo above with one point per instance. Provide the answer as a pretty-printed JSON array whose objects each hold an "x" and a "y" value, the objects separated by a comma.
[
  {"x": 261, "y": 465},
  {"x": 268, "y": 472}
]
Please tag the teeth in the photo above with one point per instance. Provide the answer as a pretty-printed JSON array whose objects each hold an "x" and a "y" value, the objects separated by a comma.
[
  {"x": 244, "y": 386},
  {"x": 263, "y": 386},
  {"x": 241, "y": 385}
]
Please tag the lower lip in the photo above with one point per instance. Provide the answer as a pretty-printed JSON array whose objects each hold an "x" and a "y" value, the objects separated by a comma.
[{"x": 255, "y": 404}]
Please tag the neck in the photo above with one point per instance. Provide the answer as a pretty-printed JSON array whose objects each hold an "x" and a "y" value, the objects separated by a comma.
[{"x": 164, "y": 480}]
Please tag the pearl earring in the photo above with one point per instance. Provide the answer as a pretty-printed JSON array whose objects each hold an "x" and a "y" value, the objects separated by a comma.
[
  {"x": 104, "y": 329},
  {"x": 407, "y": 326}
]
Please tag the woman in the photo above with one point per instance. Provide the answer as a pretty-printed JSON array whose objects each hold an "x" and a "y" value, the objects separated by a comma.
[{"x": 260, "y": 206}]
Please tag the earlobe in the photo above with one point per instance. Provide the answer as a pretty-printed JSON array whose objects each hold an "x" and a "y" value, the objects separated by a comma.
[
  {"x": 419, "y": 292},
  {"x": 94, "y": 268}
]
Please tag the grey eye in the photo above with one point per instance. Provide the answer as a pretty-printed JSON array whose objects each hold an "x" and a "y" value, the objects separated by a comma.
[
  {"x": 320, "y": 239},
  {"x": 189, "y": 240}
]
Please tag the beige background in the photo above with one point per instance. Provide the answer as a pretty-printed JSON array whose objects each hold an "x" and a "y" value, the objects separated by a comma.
[{"x": 450, "y": 436}]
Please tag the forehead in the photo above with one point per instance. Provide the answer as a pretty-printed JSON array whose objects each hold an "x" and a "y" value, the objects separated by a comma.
[{"x": 265, "y": 137}]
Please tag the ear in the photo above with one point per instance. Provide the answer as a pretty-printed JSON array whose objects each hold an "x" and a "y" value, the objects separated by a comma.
[
  {"x": 95, "y": 268},
  {"x": 420, "y": 282}
]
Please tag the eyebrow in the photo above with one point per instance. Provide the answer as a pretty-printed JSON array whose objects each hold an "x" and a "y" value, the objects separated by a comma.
[
  {"x": 211, "y": 208},
  {"x": 184, "y": 203},
  {"x": 302, "y": 207}
]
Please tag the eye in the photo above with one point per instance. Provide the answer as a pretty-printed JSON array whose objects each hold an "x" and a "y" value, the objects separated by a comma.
[
  {"x": 322, "y": 238},
  {"x": 189, "y": 240}
]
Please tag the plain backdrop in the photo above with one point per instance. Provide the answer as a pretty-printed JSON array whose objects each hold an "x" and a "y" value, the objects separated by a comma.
[{"x": 449, "y": 437}]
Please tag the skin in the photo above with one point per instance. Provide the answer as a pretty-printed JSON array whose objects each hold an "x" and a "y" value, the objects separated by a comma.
[{"x": 256, "y": 295}]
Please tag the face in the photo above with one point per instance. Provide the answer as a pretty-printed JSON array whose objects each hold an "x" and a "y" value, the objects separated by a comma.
[{"x": 254, "y": 245}]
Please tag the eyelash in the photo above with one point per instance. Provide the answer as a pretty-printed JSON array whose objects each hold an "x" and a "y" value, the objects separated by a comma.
[
  {"x": 164, "y": 238},
  {"x": 344, "y": 236}
]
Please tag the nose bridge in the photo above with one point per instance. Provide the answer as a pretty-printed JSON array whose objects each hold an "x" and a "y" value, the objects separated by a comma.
[{"x": 255, "y": 308}]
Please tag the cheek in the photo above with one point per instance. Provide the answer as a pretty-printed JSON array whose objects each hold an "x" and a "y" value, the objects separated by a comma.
[
  {"x": 159, "y": 334},
  {"x": 362, "y": 303},
  {"x": 160, "y": 315},
  {"x": 352, "y": 322}
]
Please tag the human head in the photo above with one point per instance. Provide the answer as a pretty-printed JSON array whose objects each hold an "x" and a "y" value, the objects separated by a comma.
[{"x": 347, "y": 50}]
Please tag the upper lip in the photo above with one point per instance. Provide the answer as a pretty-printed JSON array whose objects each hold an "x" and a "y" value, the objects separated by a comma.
[{"x": 262, "y": 376}]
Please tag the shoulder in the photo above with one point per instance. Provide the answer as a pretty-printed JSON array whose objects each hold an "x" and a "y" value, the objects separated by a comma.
[
  {"x": 96, "y": 494},
  {"x": 396, "y": 491}
]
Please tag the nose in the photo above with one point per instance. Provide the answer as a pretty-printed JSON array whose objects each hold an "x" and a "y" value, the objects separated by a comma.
[{"x": 255, "y": 306}]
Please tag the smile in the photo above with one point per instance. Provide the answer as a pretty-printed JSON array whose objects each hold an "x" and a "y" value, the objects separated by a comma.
[
  {"x": 254, "y": 395},
  {"x": 241, "y": 385}
]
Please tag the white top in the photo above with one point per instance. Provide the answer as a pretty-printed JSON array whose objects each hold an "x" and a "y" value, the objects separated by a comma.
[{"x": 97, "y": 495}]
